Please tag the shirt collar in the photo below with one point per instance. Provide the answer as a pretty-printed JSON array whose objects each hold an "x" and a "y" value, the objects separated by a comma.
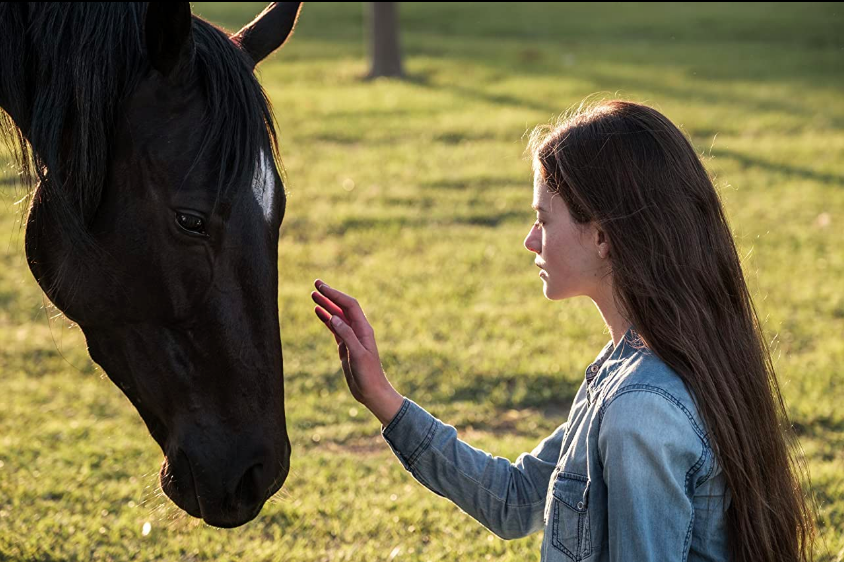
[{"x": 627, "y": 346}]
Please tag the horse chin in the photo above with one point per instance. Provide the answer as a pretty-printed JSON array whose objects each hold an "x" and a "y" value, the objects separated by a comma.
[{"x": 232, "y": 523}]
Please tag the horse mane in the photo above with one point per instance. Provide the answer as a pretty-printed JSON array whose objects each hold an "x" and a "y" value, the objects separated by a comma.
[{"x": 67, "y": 68}]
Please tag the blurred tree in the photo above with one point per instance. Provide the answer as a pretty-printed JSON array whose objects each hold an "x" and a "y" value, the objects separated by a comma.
[{"x": 384, "y": 39}]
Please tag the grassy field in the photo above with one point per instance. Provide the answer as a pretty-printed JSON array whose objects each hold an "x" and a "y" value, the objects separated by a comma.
[{"x": 415, "y": 196}]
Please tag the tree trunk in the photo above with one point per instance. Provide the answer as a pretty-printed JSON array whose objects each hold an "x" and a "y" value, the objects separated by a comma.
[{"x": 384, "y": 40}]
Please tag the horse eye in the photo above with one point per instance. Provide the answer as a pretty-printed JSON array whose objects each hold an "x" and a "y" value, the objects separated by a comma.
[{"x": 191, "y": 223}]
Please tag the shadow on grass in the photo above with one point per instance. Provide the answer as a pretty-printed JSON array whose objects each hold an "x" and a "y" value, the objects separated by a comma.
[
  {"x": 822, "y": 427},
  {"x": 382, "y": 225},
  {"x": 480, "y": 94},
  {"x": 785, "y": 169},
  {"x": 479, "y": 182}
]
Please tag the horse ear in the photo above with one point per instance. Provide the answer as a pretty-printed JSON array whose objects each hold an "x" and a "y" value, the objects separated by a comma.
[
  {"x": 269, "y": 30},
  {"x": 167, "y": 31}
]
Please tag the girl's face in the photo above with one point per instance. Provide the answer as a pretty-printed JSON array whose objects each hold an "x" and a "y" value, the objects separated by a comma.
[{"x": 571, "y": 257}]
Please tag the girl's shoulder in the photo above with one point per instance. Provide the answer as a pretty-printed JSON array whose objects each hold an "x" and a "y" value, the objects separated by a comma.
[{"x": 642, "y": 389}]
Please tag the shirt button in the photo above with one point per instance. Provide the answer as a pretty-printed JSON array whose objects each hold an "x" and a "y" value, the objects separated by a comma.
[{"x": 579, "y": 505}]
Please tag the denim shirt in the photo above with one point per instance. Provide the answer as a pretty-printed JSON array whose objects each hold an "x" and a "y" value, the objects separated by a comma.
[{"x": 630, "y": 476}]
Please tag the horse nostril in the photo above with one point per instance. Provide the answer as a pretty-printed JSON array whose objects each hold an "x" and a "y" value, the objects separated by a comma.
[{"x": 249, "y": 490}]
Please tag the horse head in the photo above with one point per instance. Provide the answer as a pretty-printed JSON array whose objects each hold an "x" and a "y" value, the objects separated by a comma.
[{"x": 154, "y": 226}]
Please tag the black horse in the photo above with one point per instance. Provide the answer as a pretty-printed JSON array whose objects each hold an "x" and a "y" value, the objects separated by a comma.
[{"x": 154, "y": 224}]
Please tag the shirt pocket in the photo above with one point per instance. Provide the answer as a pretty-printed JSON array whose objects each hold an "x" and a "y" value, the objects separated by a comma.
[{"x": 570, "y": 533}]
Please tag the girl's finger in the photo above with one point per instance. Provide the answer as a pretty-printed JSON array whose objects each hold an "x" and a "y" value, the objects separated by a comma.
[
  {"x": 345, "y": 333},
  {"x": 326, "y": 303},
  {"x": 347, "y": 304},
  {"x": 325, "y": 317}
]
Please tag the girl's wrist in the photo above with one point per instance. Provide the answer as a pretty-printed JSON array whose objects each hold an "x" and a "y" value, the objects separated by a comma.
[{"x": 385, "y": 404}]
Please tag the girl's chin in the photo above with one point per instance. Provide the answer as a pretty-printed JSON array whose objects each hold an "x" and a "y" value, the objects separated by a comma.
[
  {"x": 552, "y": 293},
  {"x": 547, "y": 290}
]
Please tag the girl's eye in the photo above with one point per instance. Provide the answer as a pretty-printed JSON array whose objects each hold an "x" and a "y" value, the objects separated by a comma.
[{"x": 191, "y": 223}]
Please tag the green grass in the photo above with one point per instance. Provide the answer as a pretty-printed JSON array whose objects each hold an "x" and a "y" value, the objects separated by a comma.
[{"x": 414, "y": 195}]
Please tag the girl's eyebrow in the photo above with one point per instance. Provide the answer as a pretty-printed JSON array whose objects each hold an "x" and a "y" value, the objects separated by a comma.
[{"x": 537, "y": 208}]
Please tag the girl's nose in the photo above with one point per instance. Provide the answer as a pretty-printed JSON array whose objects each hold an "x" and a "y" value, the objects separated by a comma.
[{"x": 533, "y": 241}]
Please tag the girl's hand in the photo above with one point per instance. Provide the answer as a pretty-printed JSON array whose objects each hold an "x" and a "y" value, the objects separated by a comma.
[{"x": 358, "y": 353}]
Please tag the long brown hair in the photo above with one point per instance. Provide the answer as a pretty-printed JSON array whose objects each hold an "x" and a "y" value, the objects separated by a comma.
[{"x": 677, "y": 276}]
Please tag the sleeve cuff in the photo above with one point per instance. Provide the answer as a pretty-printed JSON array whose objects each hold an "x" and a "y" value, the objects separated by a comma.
[{"x": 410, "y": 432}]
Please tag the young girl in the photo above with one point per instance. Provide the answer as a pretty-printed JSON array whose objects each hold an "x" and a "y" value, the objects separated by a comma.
[{"x": 674, "y": 448}]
